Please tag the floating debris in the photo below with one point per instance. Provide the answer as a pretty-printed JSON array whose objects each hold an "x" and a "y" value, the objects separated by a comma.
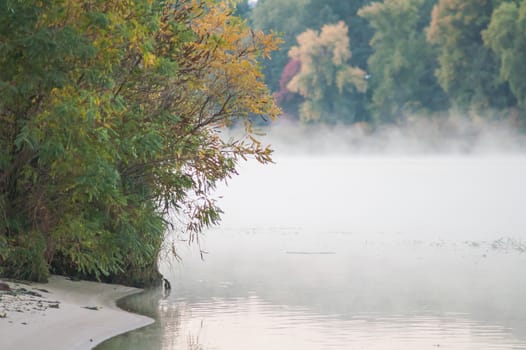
[
  {"x": 94, "y": 308},
  {"x": 472, "y": 243},
  {"x": 309, "y": 253},
  {"x": 505, "y": 244},
  {"x": 509, "y": 244}
]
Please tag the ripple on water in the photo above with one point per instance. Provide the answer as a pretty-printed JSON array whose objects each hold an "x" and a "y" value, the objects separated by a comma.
[{"x": 258, "y": 324}]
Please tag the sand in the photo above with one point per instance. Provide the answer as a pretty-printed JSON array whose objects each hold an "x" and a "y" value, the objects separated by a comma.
[{"x": 64, "y": 314}]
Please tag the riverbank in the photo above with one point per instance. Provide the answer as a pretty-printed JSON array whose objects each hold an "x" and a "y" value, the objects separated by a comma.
[{"x": 63, "y": 314}]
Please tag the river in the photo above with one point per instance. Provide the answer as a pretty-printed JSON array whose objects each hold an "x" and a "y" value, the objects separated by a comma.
[{"x": 341, "y": 252}]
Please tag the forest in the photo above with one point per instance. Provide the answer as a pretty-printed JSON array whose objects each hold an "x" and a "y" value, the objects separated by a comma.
[{"x": 386, "y": 61}]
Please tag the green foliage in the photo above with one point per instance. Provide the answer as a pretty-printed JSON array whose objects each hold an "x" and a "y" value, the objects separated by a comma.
[
  {"x": 360, "y": 32},
  {"x": 326, "y": 81},
  {"x": 243, "y": 9},
  {"x": 423, "y": 57},
  {"x": 25, "y": 258},
  {"x": 403, "y": 64},
  {"x": 468, "y": 70},
  {"x": 110, "y": 115},
  {"x": 505, "y": 35},
  {"x": 287, "y": 18}
]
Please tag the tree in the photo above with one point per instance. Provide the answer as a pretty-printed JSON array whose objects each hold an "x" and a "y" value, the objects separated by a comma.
[
  {"x": 243, "y": 9},
  {"x": 285, "y": 98},
  {"x": 286, "y": 18},
  {"x": 505, "y": 36},
  {"x": 292, "y": 17},
  {"x": 110, "y": 113},
  {"x": 319, "y": 13},
  {"x": 403, "y": 63},
  {"x": 468, "y": 71},
  {"x": 326, "y": 80}
]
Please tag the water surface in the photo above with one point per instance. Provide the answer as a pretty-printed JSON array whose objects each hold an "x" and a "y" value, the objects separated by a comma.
[{"x": 353, "y": 253}]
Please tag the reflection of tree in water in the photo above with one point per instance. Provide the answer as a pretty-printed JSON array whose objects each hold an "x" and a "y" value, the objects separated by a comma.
[
  {"x": 193, "y": 340},
  {"x": 145, "y": 303},
  {"x": 169, "y": 319},
  {"x": 193, "y": 343},
  {"x": 163, "y": 334}
]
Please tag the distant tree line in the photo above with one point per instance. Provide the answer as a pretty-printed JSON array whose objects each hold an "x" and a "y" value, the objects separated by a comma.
[{"x": 401, "y": 57}]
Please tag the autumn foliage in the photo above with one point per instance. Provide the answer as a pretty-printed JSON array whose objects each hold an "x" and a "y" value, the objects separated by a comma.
[
  {"x": 326, "y": 80},
  {"x": 421, "y": 58},
  {"x": 110, "y": 115}
]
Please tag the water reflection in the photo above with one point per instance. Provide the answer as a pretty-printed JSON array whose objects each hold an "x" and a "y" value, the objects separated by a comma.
[
  {"x": 255, "y": 324},
  {"x": 434, "y": 259},
  {"x": 369, "y": 294}
]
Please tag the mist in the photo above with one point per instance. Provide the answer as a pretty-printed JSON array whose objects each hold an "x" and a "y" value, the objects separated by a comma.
[
  {"x": 416, "y": 230},
  {"x": 402, "y": 237},
  {"x": 456, "y": 135},
  {"x": 440, "y": 179}
]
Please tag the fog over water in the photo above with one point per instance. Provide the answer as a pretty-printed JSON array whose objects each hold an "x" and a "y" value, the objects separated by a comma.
[
  {"x": 421, "y": 136},
  {"x": 436, "y": 196},
  {"x": 407, "y": 237},
  {"x": 428, "y": 178}
]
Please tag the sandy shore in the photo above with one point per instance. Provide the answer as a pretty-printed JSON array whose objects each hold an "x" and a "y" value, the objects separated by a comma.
[{"x": 63, "y": 314}]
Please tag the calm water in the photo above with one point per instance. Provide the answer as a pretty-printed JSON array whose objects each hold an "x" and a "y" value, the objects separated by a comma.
[{"x": 353, "y": 253}]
